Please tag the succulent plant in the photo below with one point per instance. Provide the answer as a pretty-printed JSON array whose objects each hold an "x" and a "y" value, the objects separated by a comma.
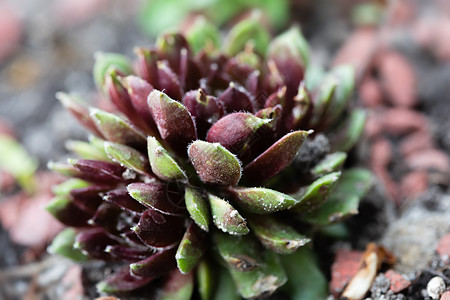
[{"x": 195, "y": 176}]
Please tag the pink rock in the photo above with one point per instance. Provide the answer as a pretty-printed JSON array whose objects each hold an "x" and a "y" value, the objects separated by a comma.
[
  {"x": 414, "y": 184},
  {"x": 402, "y": 12},
  {"x": 7, "y": 181},
  {"x": 345, "y": 266},
  {"x": 374, "y": 126},
  {"x": 381, "y": 153},
  {"x": 443, "y": 248},
  {"x": 22, "y": 214},
  {"x": 398, "y": 79},
  {"x": 357, "y": 50},
  {"x": 441, "y": 42},
  {"x": 398, "y": 282},
  {"x": 429, "y": 159},
  {"x": 417, "y": 141},
  {"x": 391, "y": 187},
  {"x": 370, "y": 93},
  {"x": 401, "y": 121},
  {"x": 445, "y": 296},
  {"x": 70, "y": 13},
  {"x": 72, "y": 283},
  {"x": 11, "y": 30},
  {"x": 6, "y": 129}
]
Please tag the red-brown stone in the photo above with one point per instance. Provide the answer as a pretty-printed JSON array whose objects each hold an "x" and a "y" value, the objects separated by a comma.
[
  {"x": 443, "y": 248},
  {"x": 429, "y": 159},
  {"x": 414, "y": 184},
  {"x": 415, "y": 142},
  {"x": 400, "y": 121},
  {"x": 398, "y": 282},
  {"x": 370, "y": 93},
  {"x": 398, "y": 79},
  {"x": 344, "y": 268}
]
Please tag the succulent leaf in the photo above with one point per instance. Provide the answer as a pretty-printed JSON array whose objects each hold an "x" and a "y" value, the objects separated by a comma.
[
  {"x": 109, "y": 61},
  {"x": 86, "y": 150},
  {"x": 128, "y": 253},
  {"x": 262, "y": 200},
  {"x": 248, "y": 31},
  {"x": 255, "y": 271},
  {"x": 159, "y": 230},
  {"x": 79, "y": 110},
  {"x": 62, "y": 244},
  {"x": 178, "y": 286},
  {"x": 205, "y": 280},
  {"x": 160, "y": 263},
  {"x": 345, "y": 79},
  {"x": 122, "y": 281},
  {"x": 203, "y": 35},
  {"x": 237, "y": 131},
  {"x": 128, "y": 157},
  {"x": 214, "y": 164},
  {"x": 64, "y": 188},
  {"x": 162, "y": 164},
  {"x": 344, "y": 199},
  {"x": 138, "y": 91},
  {"x": 168, "y": 81},
  {"x": 236, "y": 98},
  {"x": 197, "y": 207},
  {"x": 277, "y": 236},
  {"x": 347, "y": 134},
  {"x": 307, "y": 282},
  {"x": 276, "y": 158},
  {"x": 122, "y": 199},
  {"x": 67, "y": 212},
  {"x": 173, "y": 120},
  {"x": 226, "y": 218},
  {"x": 93, "y": 242},
  {"x": 191, "y": 249},
  {"x": 290, "y": 53},
  {"x": 115, "y": 129},
  {"x": 157, "y": 196},
  {"x": 98, "y": 171},
  {"x": 317, "y": 192},
  {"x": 331, "y": 163}
]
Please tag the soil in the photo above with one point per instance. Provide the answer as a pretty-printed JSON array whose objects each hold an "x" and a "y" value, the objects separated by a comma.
[{"x": 55, "y": 53}]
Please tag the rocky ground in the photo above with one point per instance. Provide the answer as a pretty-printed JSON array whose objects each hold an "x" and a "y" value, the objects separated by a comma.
[{"x": 403, "y": 67}]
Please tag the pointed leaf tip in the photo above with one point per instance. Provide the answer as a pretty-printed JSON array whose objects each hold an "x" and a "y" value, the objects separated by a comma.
[
  {"x": 262, "y": 200},
  {"x": 174, "y": 122},
  {"x": 276, "y": 158},
  {"x": 226, "y": 217},
  {"x": 197, "y": 207},
  {"x": 163, "y": 165},
  {"x": 214, "y": 164}
]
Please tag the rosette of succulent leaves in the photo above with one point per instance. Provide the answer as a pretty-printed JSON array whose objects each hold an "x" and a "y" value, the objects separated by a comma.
[{"x": 196, "y": 182}]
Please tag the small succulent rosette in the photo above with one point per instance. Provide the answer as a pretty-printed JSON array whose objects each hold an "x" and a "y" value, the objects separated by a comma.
[{"x": 193, "y": 180}]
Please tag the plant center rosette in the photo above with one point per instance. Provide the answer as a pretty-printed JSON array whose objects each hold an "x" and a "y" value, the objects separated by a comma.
[{"x": 191, "y": 180}]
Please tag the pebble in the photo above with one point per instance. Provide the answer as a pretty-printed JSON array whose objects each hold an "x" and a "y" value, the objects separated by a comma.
[
  {"x": 415, "y": 142},
  {"x": 381, "y": 153},
  {"x": 344, "y": 268},
  {"x": 357, "y": 50},
  {"x": 445, "y": 296},
  {"x": 429, "y": 159},
  {"x": 414, "y": 184},
  {"x": 443, "y": 248},
  {"x": 435, "y": 287},
  {"x": 400, "y": 121},
  {"x": 398, "y": 79},
  {"x": 370, "y": 93},
  {"x": 397, "y": 281}
]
